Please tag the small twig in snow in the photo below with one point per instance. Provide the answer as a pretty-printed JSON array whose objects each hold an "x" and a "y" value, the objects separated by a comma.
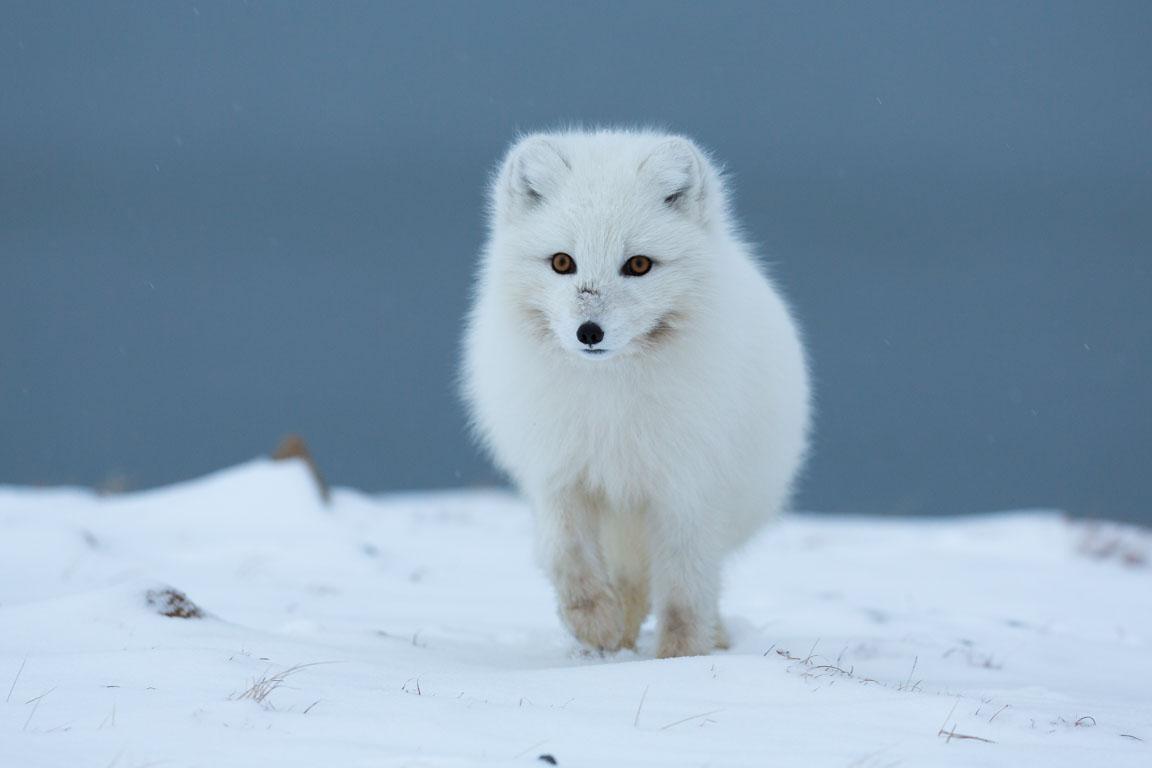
[
  {"x": 1081, "y": 721},
  {"x": 998, "y": 712}
]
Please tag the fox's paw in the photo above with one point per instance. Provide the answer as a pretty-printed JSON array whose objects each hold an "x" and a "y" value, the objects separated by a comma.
[
  {"x": 682, "y": 635},
  {"x": 597, "y": 621},
  {"x": 721, "y": 636},
  {"x": 636, "y": 607}
]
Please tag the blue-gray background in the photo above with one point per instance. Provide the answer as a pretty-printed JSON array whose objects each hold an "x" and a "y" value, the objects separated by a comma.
[{"x": 223, "y": 222}]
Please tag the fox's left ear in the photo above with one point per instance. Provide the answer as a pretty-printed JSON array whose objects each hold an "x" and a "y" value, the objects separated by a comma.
[{"x": 676, "y": 171}]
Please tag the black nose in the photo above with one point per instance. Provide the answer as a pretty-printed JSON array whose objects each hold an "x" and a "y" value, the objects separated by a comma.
[{"x": 590, "y": 333}]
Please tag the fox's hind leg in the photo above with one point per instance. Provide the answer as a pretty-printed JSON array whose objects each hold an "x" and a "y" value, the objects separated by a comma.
[
  {"x": 568, "y": 539},
  {"x": 686, "y": 559}
]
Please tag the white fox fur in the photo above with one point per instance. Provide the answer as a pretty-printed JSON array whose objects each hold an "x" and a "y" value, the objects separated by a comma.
[{"x": 649, "y": 460}]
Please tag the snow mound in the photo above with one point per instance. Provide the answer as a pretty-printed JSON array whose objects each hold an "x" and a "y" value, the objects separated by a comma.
[{"x": 415, "y": 630}]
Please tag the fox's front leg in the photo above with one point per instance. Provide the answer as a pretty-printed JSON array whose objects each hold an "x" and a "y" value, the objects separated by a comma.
[
  {"x": 686, "y": 560},
  {"x": 568, "y": 541}
]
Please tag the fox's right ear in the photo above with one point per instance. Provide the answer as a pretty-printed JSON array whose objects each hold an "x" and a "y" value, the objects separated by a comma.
[{"x": 531, "y": 173}]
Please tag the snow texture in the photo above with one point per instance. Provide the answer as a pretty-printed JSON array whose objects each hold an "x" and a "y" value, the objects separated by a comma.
[{"x": 415, "y": 630}]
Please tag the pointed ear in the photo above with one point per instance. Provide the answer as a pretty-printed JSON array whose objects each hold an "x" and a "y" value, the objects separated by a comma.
[
  {"x": 532, "y": 172},
  {"x": 676, "y": 172}
]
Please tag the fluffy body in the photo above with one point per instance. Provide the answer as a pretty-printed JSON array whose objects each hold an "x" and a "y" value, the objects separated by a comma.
[{"x": 650, "y": 455}]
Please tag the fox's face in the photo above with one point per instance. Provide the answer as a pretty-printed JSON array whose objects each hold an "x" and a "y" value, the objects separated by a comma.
[{"x": 602, "y": 243}]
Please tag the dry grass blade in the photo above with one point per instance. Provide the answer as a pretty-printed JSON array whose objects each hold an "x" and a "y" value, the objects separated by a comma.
[
  {"x": 1127, "y": 544},
  {"x": 37, "y": 699},
  {"x": 949, "y": 715},
  {"x": 119, "y": 755},
  {"x": 265, "y": 684},
  {"x": 109, "y": 721},
  {"x": 529, "y": 748},
  {"x": 953, "y": 735},
  {"x": 17, "y": 678},
  {"x": 636, "y": 720},
  {"x": 694, "y": 717},
  {"x": 908, "y": 686}
]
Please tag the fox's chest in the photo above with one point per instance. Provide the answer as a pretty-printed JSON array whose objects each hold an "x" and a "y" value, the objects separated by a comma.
[{"x": 616, "y": 433}]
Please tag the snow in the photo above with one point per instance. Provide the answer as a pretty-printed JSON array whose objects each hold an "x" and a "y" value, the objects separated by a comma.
[{"x": 415, "y": 630}]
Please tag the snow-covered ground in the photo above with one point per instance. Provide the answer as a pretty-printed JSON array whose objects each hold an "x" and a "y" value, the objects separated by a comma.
[{"x": 415, "y": 630}]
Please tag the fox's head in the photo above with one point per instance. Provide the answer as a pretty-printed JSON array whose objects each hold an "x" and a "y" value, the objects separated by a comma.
[{"x": 601, "y": 241}]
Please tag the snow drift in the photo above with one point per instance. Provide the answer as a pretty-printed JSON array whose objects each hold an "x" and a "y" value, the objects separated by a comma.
[{"x": 237, "y": 619}]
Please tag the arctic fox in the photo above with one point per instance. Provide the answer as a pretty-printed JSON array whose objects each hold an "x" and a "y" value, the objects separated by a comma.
[{"x": 636, "y": 374}]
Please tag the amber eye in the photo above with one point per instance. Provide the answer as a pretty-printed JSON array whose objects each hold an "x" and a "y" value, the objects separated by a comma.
[
  {"x": 563, "y": 264},
  {"x": 636, "y": 266}
]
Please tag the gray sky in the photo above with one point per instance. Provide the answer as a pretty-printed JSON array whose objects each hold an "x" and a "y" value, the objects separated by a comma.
[{"x": 222, "y": 222}]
